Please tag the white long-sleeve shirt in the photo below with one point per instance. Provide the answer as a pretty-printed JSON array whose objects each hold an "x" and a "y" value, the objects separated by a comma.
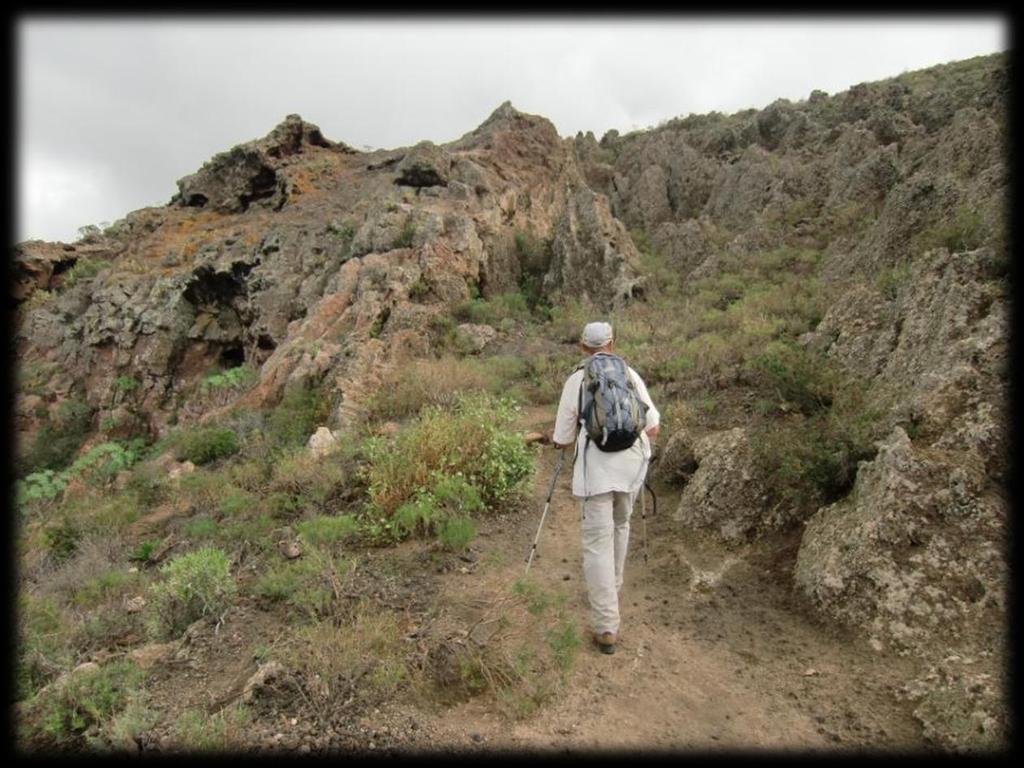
[{"x": 615, "y": 471}]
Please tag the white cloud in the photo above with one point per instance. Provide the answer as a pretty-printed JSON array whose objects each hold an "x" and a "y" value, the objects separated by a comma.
[{"x": 112, "y": 112}]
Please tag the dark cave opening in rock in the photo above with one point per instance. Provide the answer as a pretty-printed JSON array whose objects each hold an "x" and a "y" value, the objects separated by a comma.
[
  {"x": 266, "y": 343},
  {"x": 232, "y": 356},
  {"x": 197, "y": 201},
  {"x": 263, "y": 185}
]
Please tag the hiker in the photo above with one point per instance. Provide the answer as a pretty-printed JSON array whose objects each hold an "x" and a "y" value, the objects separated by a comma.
[{"x": 608, "y": 471}]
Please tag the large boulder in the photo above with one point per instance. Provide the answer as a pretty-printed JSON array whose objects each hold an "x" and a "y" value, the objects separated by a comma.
[
  {"x": 914, "y": 553},
  {"x": 425, "y": 165},
  {"x": 725, "y": 494}
]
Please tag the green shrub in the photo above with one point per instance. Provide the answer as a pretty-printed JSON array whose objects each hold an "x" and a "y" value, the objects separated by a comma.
[
  {"x": 419, "y": 290},
  {"x": 303, "y": 408},
  {"x": 966, "y": 231},
  {"x": 795, "y": 376},
  {"x": 239, "y": 378},
  {"x": 103, "y": 462},
  {"x": 201, "y": 528},
  {"x": 126, "y": 384},
  {"x": 85, "y": 268},
  {"x": 235, "y": 502},
  {"x": 327, "y": 530},
  {"x": 201, "y": 445},
  {"x": 43, "y": 643},
  {"x": 249, "y": 532},
  {"x": 813, "y": 461},
  {"x": 285, "y": 506},
  {"x": 889, "y": 281},
  {"x": 90, "y": 698},
  {"x": 144, "y": 551},
  {"x": 99, "y": 588},
  {"x": 456, "y": 533},
  {"x": 195, "y": 584},
  {"x": 124, "y": 729},
  {"x": 59, "y": 438},
  {"x": 227, "y": 730},
  {"x": 62, "y": 539},
  {"x": 470, "y": 440},
  {"x": 438, "y": 382},
  {"x": 40, "y": 486},
  {"x": 565, "y": 644},
  {"x": 445, "y": 509},
  {"x": 308, "y": 584},
  {"x": 511, "y": 306},
  {"x": 406, "y": 237}
]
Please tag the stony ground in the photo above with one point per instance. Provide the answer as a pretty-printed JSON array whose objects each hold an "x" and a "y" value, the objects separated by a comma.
[{"x": 714, "y": 655}]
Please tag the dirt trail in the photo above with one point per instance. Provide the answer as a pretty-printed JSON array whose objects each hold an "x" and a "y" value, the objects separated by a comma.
[{"x": 714, "y": 654}]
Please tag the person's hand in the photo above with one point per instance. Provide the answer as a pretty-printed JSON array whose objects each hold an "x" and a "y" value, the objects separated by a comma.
[{"x": 652, "y": 432}]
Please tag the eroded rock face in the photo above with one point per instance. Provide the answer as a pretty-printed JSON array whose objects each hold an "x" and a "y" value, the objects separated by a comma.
[
  {"x": 426, "y": 165},
  {"x": 916, "y": 549},
  {"x": 593, "y": 256},
  {"x": 724, "y": 493},
  {"x": 231, "y": 181}
]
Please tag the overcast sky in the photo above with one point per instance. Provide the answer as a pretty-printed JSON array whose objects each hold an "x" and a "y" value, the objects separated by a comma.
[{"x": 112, "y": 111}]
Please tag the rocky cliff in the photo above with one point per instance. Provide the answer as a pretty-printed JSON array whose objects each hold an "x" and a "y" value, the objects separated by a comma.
[{"x": 305, "y": 259}]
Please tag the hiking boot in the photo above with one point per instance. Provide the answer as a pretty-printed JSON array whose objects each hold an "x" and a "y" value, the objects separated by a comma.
[{"x": 605, "y": 641}]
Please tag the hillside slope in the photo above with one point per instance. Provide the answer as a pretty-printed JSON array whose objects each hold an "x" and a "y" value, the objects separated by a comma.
[{"x": 816, "y": 293}]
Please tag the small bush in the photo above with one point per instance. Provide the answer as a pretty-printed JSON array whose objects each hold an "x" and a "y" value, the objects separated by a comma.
[
  {"x": 239, "y": 378},
  {"x": 43, "y": 637},
  {"x": 40, "y": 486},
  {"x": 85, "y": 268},
  {"x": 87, "y": 699},
  {"x": 201, "y": 528},
  {"x": 456, "y": 533},
  {"x": 795, "y": 376},
  {"x": 123, "y": 730},
  {"x": 144, "y": 551},
  {"x": 196, "y": 584},
  {"x": 423, "y": 383},
  {"x": 236, "y": 502},
  {"x": 103, "y": 462},
  {"x": 470, "y": 440},
  {"x": 966, "y": 231},
  {"x": 227, "y": 730},
  {"x": 369, "y": 649},
  {"x": 62, "y": 539},
  {"x": 889, "y": 281},
  {"x": 149, "y": 485},
  {"x": 565, "y": 644},
  {"x": 253, "y": 532},
  {"x": 98, "y": 589},
  {"x": 201, "y": 445},
  {"x": 303, "y": 407},
  {"x": 327, "y": 530},
  {"x": 59, "y": 438},
  {"x": 310, "y": 584},
  {"x": 493, "y": 311},
  {"x": 407, "y": 236}
]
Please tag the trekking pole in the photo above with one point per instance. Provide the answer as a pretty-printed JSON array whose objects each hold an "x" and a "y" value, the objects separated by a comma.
[
  {"x": 551, "y": 491},
  {"x": 643, "y": 516},
  {"x": 643, "y": 513}
]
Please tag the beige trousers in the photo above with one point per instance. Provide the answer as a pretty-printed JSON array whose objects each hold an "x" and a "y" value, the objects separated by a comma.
[{"x": 605, "y": 529}]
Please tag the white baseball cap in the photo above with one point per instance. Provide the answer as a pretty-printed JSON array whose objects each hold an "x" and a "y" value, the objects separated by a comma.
[{"x": 596, "y": 334}]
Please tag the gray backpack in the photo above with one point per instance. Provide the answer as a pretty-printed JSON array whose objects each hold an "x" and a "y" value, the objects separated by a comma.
[{"x": 610, "y": 409}]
